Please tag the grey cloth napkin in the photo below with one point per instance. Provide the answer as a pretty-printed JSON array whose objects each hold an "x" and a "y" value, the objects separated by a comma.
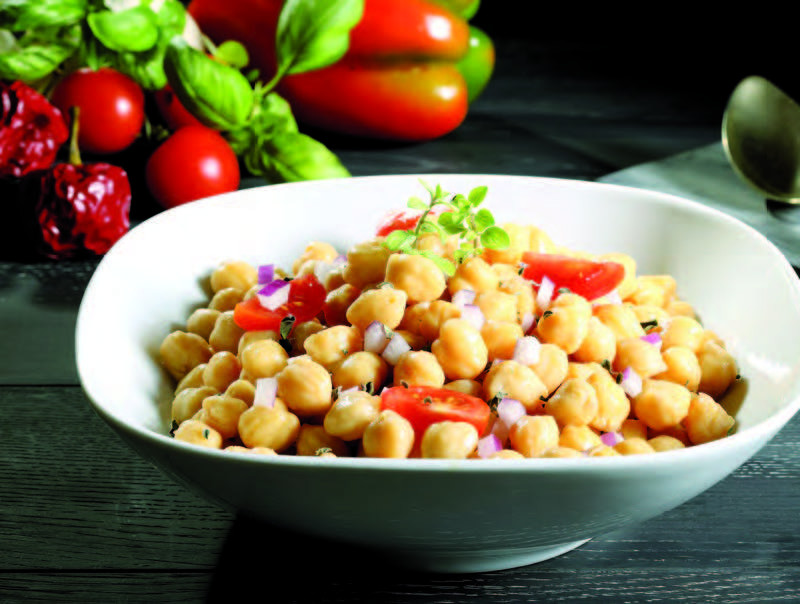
[{"x": 704, "y": 175}]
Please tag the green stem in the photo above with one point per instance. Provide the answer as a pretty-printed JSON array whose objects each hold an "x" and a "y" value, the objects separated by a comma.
[
  {"x": 269, "y": 86},
  {"x": 74, "y": 149}
]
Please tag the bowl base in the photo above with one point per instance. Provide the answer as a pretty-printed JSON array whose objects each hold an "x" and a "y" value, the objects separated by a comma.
[{"x": 483, "y": 561}]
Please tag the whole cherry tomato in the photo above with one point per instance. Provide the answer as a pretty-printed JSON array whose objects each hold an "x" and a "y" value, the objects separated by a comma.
[
  {"x": 112, "y": 108},
  {"x": 306, "y": 298},
  {"x": 173, "y": 112},
  {"x": 192, "y": 163},
  {"x": 586, "y": 278}
]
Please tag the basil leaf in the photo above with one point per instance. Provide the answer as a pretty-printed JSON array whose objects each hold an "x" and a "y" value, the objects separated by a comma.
[
  {"x": 132, "y": 30},
  {"x": 171, "y": 16},
  {"x": 495, "y": 238},
  {"x": 483, "y": 219},
  {"x": 292, "y": 156},
  {"x": 23, "y": 15},
  {"x": 232, "y": 53},
  {"x": 271, "y": 116},
  {"x": 147, "y": 69},
  {"x": 217, "y": 95},
  {"x": 312, "y": 34},
  {"x": 37, "y": 56}
]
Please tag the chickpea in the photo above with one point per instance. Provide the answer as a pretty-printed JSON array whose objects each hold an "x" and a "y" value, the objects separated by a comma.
[
  {"x": 621, "y": 319},
  {"x": 316, "y": 250},
  {"x": 303, "y": 331},
  {"x": 263, "y": 358},
  {"x": 331, "y": 346},
  {"x": 579, "y": 438},
  {"x": 412, "y": 317},
  {"x": 449, "y": 440},
  {"x": 679, "y": 308},
  {"x": 552, "y": 366},
  {"x": 497, "y": 306},
  {"x": 222, "y": 369},
  {"x": 682, "y": 367},
  {"x": 361, "y": 369},
  {"x": 305, "y": 386},
  {"x": 661, "y": 404},
  {"x": 334, "y": 278},
  {"x": 351, "y": 414},
  {"x": 253, "y": 451},
  {"x": 677, "y": 432},
  {"x": 416, "y": 341},
  {"x": 707, "y": 420},
  {"x": 418, "y": 276},
  {"x": 193, "y": 379},
  {"x": 717, "y": 369},
  {"x": 418, "y": 368},
  {"x": 505, "y": 272},
  {"x": 226, "y": 299},
  {"x": 366, "y": 264},
  {"x": 633, "y": 446},
  {"x": 181, "y": 352},
  {"x": 198, "y": 433},
  {"x": 633, "y": 428},
  {"x": 222, "y": 413},
  {"x": 519, "y": 238},
  {"x": 470, "y": 387},
  {"x": 255, "y": 336},
  {"x": 574, "y": 403},
  {"x": 534, "y": 435},
  {"x": 603, "y": 451},
  {"x": 188, "y": 402},
  {"x": 438, "y": 311},
  {"x": 665, "y": 443},
  {"x": 523, "y": 293},
  {"x": 226, "y": 333},
  {"x": 388, "y": 435},
  {"x": 652, "y": 314},
  {"x": 268, "y": 427},
  {"x": 517, "y": 381},
  {"x": 629, "y": 284},
  {"x": 562, "y": 452},
  {"x": 236, "y": 274},
  {"x": 338, "y": 301},
  {"x": 431, "y": 242},
  {"x": 500, "y": 338},
  {"x": 654, "y": 290},
  {"x": 507, "y": 454},
  {"x": 243, "y": 390},
  {"x": 566, "y": 323},
  {"x": 460, "y": 350},
  {"x": 312, "y": 439},
  {"x": 385, "y": 305},
  {"x": 474, "y": 274},
  {"x": 613, "y": 406},
  {"x": 643, "y": 357},
  {"x": 599, "y": 344},
  {"x": 583, "y": 371},
  {"x": 683, "y": 331},
  {"x": 202, "y": 322}
]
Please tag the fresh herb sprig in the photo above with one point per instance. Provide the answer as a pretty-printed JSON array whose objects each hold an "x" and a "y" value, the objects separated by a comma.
[{"x": 474, "y": 226}]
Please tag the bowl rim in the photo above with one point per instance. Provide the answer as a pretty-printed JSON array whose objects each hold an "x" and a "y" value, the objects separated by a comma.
[{"x": 764, "y": 430}]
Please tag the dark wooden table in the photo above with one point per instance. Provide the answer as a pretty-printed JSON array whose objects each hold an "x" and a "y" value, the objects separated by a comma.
[{"x": 83, "y": 518}]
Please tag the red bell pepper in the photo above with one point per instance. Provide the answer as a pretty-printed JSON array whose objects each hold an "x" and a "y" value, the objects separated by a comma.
[{"x": 399, "y": 80}]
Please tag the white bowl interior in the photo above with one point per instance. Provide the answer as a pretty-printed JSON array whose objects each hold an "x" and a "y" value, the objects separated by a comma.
[{"x": 155, "y": 276}]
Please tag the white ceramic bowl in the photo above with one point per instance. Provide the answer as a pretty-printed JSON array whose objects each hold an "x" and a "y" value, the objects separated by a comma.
[{"x": 457, "y": 516}]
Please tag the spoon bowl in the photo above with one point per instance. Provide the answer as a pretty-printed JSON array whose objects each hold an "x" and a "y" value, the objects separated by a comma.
[{"x": 761, "y": 137}]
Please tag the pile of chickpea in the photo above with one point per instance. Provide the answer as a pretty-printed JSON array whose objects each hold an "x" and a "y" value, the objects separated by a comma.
[{"x": 325, "y": 404}]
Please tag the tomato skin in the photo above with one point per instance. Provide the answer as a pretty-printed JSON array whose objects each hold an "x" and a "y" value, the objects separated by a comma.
[
  {"x": 306, "y": 299},
  {"x": 586, "y": 278},
  {"x": 192, "y": 163},
  {"x": 251, "y": 316},
  {"x": 445, "y": 405},
  {"x": 111, "y": 108},
  {"x": 401, "y": 220},
  {"x": 172, "y": 111}
]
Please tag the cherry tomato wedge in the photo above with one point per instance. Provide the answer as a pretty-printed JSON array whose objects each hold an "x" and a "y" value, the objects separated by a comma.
[
  {"x": 424, "y": 405},
  {"x": 401, "y": 220},
  {"x": 586, "y": 278},
  {"x": 306, "y": 298}
]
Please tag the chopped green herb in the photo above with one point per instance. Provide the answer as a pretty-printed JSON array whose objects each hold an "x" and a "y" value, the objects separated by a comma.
[
  {"x": 738, "y": 376},
  {"x": 286, "y": 326},
  {"x": 173, "y": 427},
  {"x": 520, "y": 270},
  {"x": 345, "y": 352},
  {"x": 493, "y": 402},
  {"x": 564, "y": 290},
  {"x": 404, "y": 384},
  {"x": 649, "y": 324},
  {"x": 323, "y": 450},
  {"x": 369, "y": 388},
  {"x": 427, "y": 400},
  {"x": 606, "y": 365},
  {"x": 206, "y": 433},
  {"x": 618, "y": 378},
  {"x": 547, "y": 313}
]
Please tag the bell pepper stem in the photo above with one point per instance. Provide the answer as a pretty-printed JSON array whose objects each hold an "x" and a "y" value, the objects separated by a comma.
[{"x": 74, "y": 149}]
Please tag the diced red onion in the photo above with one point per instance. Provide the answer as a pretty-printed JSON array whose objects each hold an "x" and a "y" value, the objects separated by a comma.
[
  {"x": 488, "y": 446},
  {"x": 266, "y": 273},
  {"x": 274, "y": 294},
  {"x": 396, "y": 348},
  {"x": 611, "y": 438},
  {"x": 527, "y": 350},
  {"x": 463, "y": 297},
  {"x": 473, "y": 315},
  {"x": 527, "y": 322},
  {"x": 545, "y": 293},
  {"x": 266, "y": 391},
  {"x": 652, "y": 338},
  {"x": 631, "y": 382},
  {"x": 375, "y": 339},
  {"x": 509, "y": 411}
]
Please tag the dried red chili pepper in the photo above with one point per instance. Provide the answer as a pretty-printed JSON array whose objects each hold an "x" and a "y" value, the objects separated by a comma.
[
  {"x": 31, "y": 130},
  {"x": 82, "y": 207}
]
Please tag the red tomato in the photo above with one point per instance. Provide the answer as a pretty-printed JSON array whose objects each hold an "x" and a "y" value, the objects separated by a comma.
[
  {"x": 401, "y": 220},
  {"x": 306, "y": 298},
  {"x": 111, "y": 108},
  {"x": 173, "y": 112},
  {"x": 586, "y": 278},
  {"x": 424, "y": 405},
  {"x": 194, "y": 162}
]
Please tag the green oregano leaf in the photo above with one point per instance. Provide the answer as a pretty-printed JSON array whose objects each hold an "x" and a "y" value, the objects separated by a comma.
[
  {"x": 287, "y": 323},
  {"x": 477, "y": 195},
  {"x": 495, "y": 238}
]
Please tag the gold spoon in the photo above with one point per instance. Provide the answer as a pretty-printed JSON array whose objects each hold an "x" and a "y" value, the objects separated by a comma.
[{"x": 761, "y": 137}]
